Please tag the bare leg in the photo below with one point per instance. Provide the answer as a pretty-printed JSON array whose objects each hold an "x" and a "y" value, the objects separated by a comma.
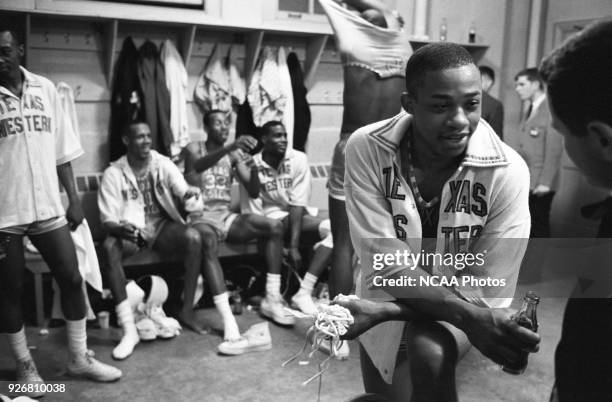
[
  {"x": 427, "y": 371},
  {"x": 11, "y": 283},
  {"x": 213, "y": 273},
  {"x": 341, "y": 276},
  {"x": 249, "y": 226},
  {"x": 178, "y": 238},
  {"x": 322, "y": 255},
  {"x": 114, "y": 274},
  {"x": 57, "y": 249}
]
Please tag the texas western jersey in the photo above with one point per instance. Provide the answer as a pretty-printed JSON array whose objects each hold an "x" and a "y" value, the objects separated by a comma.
[
  {"x": 215, "y": 182},
  {"x": 289, "y": 185},
  {"x": 35, "y": 136}
]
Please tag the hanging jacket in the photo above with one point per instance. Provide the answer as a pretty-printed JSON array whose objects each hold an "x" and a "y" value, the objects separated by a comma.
[
  {"x": 270, "y": 95},
  {"x": 301, "y": 109},
  {"x": 176, "y": 82},
  {"x": 156, "y": 98},
  {"x": 126, "y": 97},
  {"x": 219, "y": 85}
]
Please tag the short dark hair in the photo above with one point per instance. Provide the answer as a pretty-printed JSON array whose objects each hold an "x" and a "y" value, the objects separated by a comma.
[
  {"x": 532, "y": 74},
  {"x": 265, "y": 129},
  {"x": 208, "y": 116},
  {"x": 434, "y": 57},
  {"x": 578, "y": 78},
  {"x": 16, "y": 37},
  {"x": 127, "y": 128},
  {"x": 486, "y": 70}
]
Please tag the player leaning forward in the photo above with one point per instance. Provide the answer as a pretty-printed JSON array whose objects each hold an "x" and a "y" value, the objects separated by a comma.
[
  {"x": 37, "y": 144},
  {"x": 436, "y": 179}
]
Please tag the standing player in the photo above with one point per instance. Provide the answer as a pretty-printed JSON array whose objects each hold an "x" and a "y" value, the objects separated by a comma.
[
  {"x": 37, "y": 144},
  {"x": 440, "y": 180},
  {"x": 374, "y": 50},
  {"x": 284, "y": 194},
  {"x": 211, "y": 166}
]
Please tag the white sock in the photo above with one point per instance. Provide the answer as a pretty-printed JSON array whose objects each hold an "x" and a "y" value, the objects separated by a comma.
[
  {"x": 308, "y": 284},
  {"x": 19, "y": 345},
  {"x": 231, "y": 331},
  {"x": 125, "y": 315},
  {"x": 77, "y": 338},
  {"x": 273, "y": 285},
  {"x": 130, "y": 338}
]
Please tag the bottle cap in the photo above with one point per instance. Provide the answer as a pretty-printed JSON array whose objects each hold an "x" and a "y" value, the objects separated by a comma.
[{"x": 531, "y": 295}]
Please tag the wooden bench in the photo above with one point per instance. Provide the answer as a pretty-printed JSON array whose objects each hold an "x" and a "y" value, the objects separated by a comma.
[{"x": 37, "y": 266}]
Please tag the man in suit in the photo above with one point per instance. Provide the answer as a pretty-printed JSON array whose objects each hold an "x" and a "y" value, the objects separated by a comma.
[
  {"x": 492, "y": 109},
  {"x": 579, "y": 88},
  {"x": 540, "y": 146}
]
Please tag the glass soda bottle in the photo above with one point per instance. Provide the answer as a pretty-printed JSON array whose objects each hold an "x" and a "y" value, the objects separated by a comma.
[{"x": 525, "y": 317}]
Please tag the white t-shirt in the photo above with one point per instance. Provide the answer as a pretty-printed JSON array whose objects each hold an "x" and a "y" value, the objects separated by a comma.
[
  {"x": 35, "y": 136},
  {"x": 288, "y": 186}
]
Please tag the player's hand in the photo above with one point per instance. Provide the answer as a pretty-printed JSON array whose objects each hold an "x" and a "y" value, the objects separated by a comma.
[
  {"x": 245, "y": 143},
  {"x": 128, "y": 231},
  {"x": 191, "y": 192},
  {"x": 365, "y": 312},
  {"x": 540, "y": 190},
  {"x": 295, "y": 258},
  {"x": 74, "y": 215},
  {"x": 497, "y": 336}
]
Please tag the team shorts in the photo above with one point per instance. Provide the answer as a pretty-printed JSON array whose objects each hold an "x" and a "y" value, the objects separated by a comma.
[
  {"x": 335, "y": 184},
  {"x": 36, "y": 228},
  {"x": 220, "y": 221},
  {"x": 149, "y": 234}
]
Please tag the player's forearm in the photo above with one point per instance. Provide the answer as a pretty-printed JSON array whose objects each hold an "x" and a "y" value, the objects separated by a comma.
[
  {"x": 362, "y": 5},
  {"x": 211, "y": 159},
  {"x": 435, "y": 302},
  {"x": 249, "y": 177},
  {"x": 295, "y": 220},
  {"x": 66, "y": 177}
]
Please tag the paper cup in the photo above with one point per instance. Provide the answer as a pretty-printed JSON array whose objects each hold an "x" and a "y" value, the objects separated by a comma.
[{"x": 103, "y": 318}]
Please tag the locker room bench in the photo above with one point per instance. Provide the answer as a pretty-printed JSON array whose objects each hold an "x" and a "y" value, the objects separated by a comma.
[{"x": 36, "y": 265}]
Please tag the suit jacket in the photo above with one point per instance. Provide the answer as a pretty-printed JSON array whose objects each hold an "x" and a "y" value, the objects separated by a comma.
[
  {"x": 541, "y": 147},
  {"x": 493, "y": 113}
]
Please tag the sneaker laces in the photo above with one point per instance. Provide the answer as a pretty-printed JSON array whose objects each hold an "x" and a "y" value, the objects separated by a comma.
[
  {"x": 28, "y": 369},
  {"x": 330, "y": 324},
  {"x": 157, "y": 315}
]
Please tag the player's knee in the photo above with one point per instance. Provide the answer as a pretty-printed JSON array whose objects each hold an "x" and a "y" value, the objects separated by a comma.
[
  {"x": 191, "y": 239},
  {"x": 275, "y": 228},
  {"x": 111, "y": 245},
  {"x": 209, "y": 241},
  {"x": 70, "y": 279},
  {"x": 430, "y": 358}
]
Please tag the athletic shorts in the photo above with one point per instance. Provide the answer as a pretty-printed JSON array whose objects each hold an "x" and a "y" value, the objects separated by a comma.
[
  {"x": 220, "y": 221},
  {"x": 335, "y": 184},
  {"x": 36, "y": 228},
  {"x": 149, "y": 234}
]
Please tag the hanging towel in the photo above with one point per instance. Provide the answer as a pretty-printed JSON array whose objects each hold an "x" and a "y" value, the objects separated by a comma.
[
  {"x": 88, "y": 267},
  {"x": 176, "y": 82}
]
